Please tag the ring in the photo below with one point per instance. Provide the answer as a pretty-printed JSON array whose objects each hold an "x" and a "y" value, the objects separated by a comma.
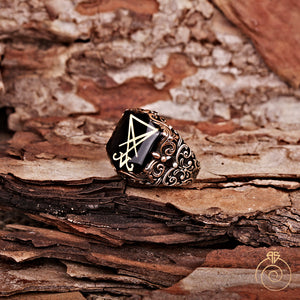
[{"x": 146, "y": 151}]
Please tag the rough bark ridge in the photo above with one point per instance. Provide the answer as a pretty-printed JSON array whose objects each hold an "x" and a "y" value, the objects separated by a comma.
[{"x": 69, "y": 69}]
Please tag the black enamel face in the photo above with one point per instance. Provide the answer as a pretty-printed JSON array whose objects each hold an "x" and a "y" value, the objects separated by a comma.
[{"x": 132, "y": 141}]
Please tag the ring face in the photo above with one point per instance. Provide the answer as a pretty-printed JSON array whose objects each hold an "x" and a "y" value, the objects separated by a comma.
[{"x": 146, "y": 151}]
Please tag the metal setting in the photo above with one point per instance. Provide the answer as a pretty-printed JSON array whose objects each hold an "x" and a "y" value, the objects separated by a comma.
[{"x": 172, "y": 162}]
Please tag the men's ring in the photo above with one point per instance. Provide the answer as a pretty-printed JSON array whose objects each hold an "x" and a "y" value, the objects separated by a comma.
[{"x": 145, "y": 150}]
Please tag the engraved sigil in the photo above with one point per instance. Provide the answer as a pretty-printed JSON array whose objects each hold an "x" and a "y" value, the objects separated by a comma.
[
  {"x": 173, "y": 163},
  {"x": 132, "y": 142}
]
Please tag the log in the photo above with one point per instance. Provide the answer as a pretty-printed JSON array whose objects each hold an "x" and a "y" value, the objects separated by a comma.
[
  {"x": 266, "y": 24},
  {"x": 133, "y": 240},
  {"x": 219, "y": 206},
  {"x": 69, "y": 223}
]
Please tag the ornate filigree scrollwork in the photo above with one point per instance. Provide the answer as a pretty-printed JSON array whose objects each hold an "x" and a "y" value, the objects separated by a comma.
[{"x": 173, "y": 161}]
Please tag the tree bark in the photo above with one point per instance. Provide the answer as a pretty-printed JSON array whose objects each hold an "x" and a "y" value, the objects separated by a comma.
[{"x": 68, "y": 71}]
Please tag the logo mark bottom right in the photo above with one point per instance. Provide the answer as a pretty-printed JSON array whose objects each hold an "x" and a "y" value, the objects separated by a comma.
[{"x": 273, "y": 272}]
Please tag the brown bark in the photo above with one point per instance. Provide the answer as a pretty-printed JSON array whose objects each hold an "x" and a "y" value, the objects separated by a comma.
[
  {"x": 141, "y": 235},
  {"x": 273, "y": 28},
  {"x": 68, "y": 70}
]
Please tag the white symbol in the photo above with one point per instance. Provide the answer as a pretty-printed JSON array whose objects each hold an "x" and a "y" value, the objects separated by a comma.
[{"x": 133, "y": 141}]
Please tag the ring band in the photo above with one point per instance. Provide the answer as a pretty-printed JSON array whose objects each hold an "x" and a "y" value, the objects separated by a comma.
[{"x": 145, "y": 150}]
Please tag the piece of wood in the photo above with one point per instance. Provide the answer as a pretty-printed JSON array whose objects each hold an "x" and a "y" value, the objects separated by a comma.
[
  {"x": 60, "y": 58},
  {"x": 193, "y": 218},
  {"x": 158, "y": 265},
  {"x": 47, "y": 276},
  {"x": 161, "y": 266},
  {"x": 226, "y": 284},
  {"x": 48, "y": 296},
  {"x": 83, "y": 193},
  {"x": 68, "y": 71},
  {"x": 265, "y": 23}
]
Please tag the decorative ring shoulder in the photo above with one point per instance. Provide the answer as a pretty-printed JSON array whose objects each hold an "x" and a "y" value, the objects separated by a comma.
[{"x": 146, "y": 151}]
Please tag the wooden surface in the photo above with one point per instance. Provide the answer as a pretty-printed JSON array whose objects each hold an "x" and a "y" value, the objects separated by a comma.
[
  {"x": 275, "y": 45},
  {"x": 71, "y": 224},
  {"x": 115, "y": 238}
]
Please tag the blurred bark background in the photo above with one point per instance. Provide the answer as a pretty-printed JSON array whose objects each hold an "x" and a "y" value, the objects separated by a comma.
[{"x": 69, "y": 68}]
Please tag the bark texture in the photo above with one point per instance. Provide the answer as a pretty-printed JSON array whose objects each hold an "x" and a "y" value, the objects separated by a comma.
[
  {"x": 273, "y": 28},
  {"x": 70, "y": 223}
]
